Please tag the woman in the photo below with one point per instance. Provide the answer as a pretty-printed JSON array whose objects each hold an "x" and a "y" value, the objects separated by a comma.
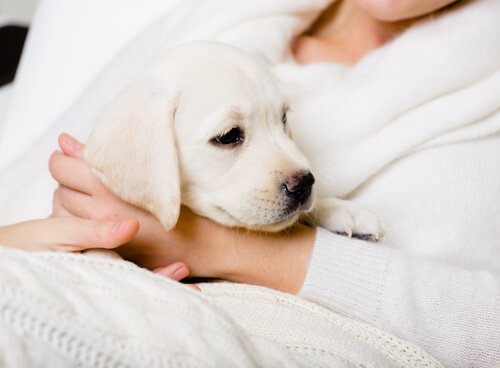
[{"x": 450, "y": 311}]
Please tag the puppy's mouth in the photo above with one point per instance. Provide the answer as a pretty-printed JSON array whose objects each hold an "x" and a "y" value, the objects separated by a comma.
[
  {"x": 287, "y": 219},
  {"x": 297, "y": 206}
]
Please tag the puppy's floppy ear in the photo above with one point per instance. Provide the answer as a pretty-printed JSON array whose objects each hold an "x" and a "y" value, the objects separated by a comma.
[{"x": 133, "y": 150}]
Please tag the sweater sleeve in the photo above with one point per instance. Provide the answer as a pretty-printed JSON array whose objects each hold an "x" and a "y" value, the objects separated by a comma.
[{"x": 452, "y": 313}]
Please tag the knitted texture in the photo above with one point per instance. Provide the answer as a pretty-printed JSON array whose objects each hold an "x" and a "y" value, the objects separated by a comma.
[
  {"x": 449, "y": 311},
  {"x": 65, "y": 310},
  {"x": 411, "y": 132}
]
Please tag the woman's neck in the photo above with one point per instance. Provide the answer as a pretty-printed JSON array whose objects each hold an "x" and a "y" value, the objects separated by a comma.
[{"x": 344, "y": 33}]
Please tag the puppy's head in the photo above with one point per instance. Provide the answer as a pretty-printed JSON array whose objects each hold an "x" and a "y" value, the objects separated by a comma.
[{"x": 205, "y": 126}]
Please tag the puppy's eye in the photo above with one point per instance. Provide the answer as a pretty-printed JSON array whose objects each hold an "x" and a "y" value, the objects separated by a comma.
[
  {"x": 284, "y": 119},
  {"x": 232, "y": 136}
]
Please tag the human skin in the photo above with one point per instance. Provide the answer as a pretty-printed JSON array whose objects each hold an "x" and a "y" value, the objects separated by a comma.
[
  {"x": 347, "y": 31},
  {"x": 210, "y": 249},
  {"x": 75, "y": 234},
  {"x": 69, "y": 234}
]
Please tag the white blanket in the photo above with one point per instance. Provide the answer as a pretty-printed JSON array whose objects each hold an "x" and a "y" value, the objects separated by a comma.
[
  {"x": 65, "y": 310},
  {"x": 99, "y": 305},
  {"x": 29, "y": 138}
]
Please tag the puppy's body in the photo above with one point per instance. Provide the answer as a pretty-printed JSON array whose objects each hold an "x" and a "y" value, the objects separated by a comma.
[{"x": 205, "y": 126}]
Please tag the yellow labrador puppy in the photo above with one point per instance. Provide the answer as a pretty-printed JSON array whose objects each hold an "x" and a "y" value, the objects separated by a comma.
[{"x": 206, "y": 126}]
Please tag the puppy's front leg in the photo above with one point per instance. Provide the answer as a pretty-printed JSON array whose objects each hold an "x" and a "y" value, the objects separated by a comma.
[{"x": 345, "y": 218}]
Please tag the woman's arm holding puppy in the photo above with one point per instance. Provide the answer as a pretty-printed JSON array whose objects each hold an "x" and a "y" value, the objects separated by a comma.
[
  {"x": 74, "y": 234},
  {"x": 394, "y": 291},
  {"x": 278, "y": 260}
]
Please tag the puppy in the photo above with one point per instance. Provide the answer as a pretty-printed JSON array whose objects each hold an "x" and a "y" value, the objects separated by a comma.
[{"x": 206, "y": 126}]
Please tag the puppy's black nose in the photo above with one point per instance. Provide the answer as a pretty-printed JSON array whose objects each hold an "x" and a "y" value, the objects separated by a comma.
[{"x": 299, "y": 186}]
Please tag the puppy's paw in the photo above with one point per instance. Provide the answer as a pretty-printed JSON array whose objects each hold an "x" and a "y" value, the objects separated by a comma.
[{"x": 346, "y": 218}]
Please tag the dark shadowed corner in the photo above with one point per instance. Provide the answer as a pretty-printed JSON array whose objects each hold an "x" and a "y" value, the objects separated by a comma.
[{"x": 12, "y": 39}]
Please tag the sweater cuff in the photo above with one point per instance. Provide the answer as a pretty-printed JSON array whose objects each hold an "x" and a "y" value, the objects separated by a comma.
[{"x": 347, "y": 275}]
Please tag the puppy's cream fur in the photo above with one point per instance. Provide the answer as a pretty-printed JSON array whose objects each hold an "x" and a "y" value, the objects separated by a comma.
[{"x": 154, "y": 147}]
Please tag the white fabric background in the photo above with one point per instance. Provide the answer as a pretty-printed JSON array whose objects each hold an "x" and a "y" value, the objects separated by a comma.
[
  {"x": 69, "y": 44},
  {"x": 65, "y": 89}
]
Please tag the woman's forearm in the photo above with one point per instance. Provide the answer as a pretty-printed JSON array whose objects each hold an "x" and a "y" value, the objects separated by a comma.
[{"x": 278, "y": 261}]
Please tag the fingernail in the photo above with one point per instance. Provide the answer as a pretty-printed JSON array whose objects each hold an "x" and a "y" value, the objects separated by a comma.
[
  {"x": 180, "y": 273},
  {"x": 68, "y": 141},
  {"x": 118, "y": 227}
]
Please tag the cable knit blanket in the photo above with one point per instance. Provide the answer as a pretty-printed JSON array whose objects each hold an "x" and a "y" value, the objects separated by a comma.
[
  {"x": 66, "y": 310},
  {"x": 62, "y": 310}
]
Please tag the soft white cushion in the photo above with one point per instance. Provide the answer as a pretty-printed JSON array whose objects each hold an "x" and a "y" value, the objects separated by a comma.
[
  {"x": 5, "y": 93},
  {"x": 63, "y": 79},
  {"x": 69, "y": 44},
  {"x": 66, "y": 78}
]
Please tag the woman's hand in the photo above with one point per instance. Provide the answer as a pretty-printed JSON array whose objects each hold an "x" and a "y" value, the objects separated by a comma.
[
  {"x": 81, "y": 194},
  {"x": 69, "y": 234},
  {"x": 275, "y": 260},
  {"x": 73, "y": 234}
]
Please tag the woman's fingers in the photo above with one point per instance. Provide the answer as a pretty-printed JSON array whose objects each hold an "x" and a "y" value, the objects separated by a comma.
[
  {"x": 75, "y": 203},
  {"x": 69, "y": 168},
  {"x": 74, "y": 173},
  {"x": 70, "y": 146},
  {"x": 76, "y": 234},
  {"x": 58, "y": 209},
  {"x": 175, "y": 271},
  {"x": 68, "y": 234}
]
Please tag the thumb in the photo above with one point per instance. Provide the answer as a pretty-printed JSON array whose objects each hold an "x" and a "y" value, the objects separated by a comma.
[
  {"x": 76, "y": 234},
  {"x": 70, "y": 146}
]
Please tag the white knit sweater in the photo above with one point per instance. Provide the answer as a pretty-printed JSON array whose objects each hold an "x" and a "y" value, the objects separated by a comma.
[
  {"x": 411, "y": 132},
  {"x": 71, "y": 310},
  {"x": 419, "y": 143}
]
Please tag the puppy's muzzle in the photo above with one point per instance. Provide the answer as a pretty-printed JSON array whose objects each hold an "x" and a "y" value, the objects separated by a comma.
[{"x": 299, "y": 187}]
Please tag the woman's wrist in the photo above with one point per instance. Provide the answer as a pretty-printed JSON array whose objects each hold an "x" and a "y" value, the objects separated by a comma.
[
  {"x": 23, "y": 235},
  {"x": 7, "y": 236},
  {"x": 274, "y": 260},
  {"x": 209, "y": 249}
]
